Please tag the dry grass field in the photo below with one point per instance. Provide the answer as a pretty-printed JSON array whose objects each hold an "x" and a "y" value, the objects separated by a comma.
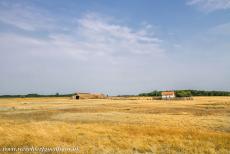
[{"x": 134, "y": 125}]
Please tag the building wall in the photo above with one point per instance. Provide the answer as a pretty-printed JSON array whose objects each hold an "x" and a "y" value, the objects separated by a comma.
[
  {"x": 168, "y": 96},
  {"x": 88, "y": 96},
  {"x": 75, "y": 97}
]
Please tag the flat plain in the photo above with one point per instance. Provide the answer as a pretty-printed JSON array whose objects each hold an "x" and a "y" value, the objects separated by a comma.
[{"x": 118, "y": 125}]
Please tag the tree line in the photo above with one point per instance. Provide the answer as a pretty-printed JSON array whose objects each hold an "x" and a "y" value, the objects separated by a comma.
[
  {"x": 35, "y": 95},
  {"x": 189, "y": 93},
  {"x": 179, "y": 93}
]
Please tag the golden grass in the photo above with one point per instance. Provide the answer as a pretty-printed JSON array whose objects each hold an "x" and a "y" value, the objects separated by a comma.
[{"x": 135, "y": 125}]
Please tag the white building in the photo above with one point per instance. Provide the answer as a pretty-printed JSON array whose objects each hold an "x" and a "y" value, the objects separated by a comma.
[{"x": 168, "y": 94}]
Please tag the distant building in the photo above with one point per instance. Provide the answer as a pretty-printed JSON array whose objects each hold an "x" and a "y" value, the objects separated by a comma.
[
  {"x": 168, "y": 94},
  {"x": 88, "y": 96}
]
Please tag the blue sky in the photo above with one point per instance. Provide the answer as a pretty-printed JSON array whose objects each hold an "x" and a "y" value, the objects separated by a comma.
[{"x": 114, "y": 47}]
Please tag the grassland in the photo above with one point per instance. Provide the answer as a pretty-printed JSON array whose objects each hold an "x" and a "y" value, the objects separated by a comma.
[{"x": 119, "y": 125}]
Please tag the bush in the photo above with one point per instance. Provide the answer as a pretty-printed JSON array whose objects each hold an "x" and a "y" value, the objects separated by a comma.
[{"x": 183, "y": 93}]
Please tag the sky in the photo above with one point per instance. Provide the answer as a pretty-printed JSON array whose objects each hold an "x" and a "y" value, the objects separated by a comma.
[{"x": 113, "y": 47}]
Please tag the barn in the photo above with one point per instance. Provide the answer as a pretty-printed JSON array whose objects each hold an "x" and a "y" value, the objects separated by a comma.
[
  {"x": 88, "y": 96},
  {"x": 168, "y": 95}
]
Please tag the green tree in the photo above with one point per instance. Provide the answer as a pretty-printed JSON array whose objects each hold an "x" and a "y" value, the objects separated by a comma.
[{"x": 183, "y": 93}]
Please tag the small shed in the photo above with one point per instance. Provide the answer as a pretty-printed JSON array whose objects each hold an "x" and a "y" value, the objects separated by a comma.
[
  {"x": 88, "y": 96},
  {"x": 168, "y": 94}
]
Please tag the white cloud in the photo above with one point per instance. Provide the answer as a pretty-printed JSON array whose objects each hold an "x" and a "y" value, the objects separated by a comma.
[
  {"x": 210, "y": 5},
  {"x": 25, "y": 17},
  {"x": 222, "y": 29},
  {"x": 91, "y": 35},
  {"x": 117, "y": 38}
]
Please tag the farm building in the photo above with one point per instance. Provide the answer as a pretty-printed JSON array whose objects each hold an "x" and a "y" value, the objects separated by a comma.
[
  {"x": 88, "y": 96},
  {"x": 168, "y": 94}
]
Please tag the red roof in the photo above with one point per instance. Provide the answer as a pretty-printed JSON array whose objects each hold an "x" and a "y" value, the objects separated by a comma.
[{"x": 167, "y": 93}]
